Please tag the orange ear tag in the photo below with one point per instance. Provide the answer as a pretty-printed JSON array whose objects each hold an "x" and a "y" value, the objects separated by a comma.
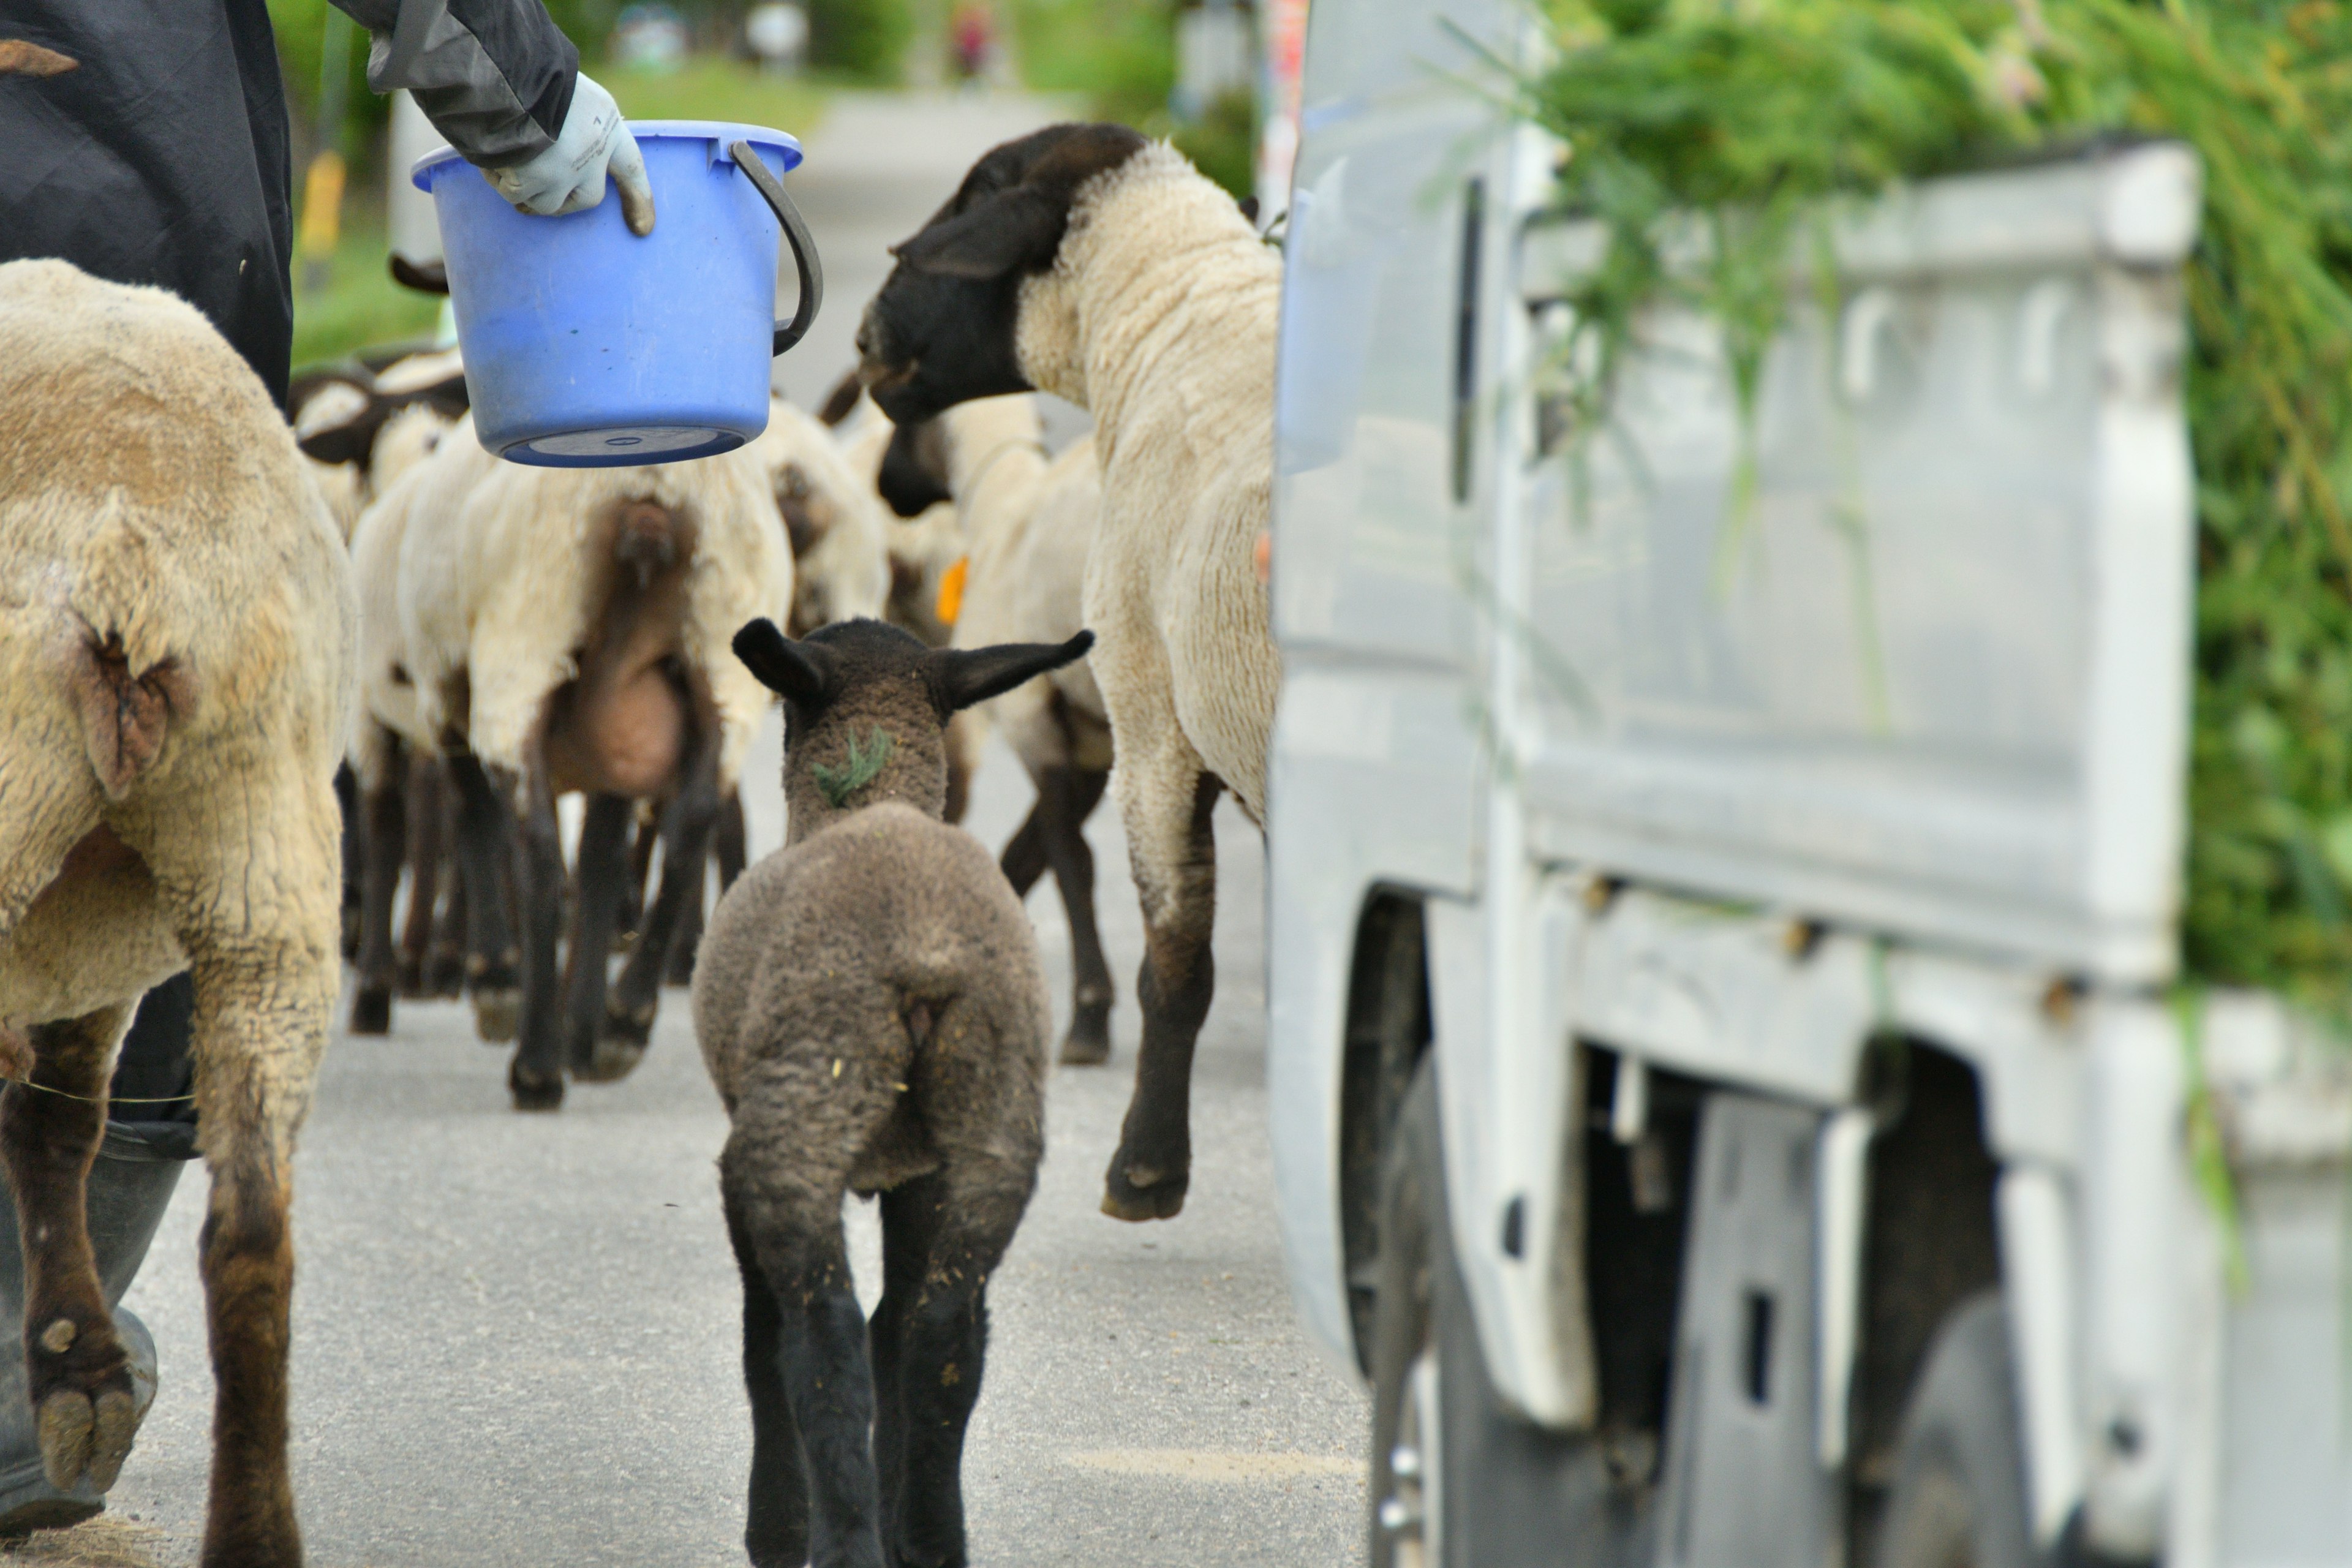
[{"x": 950, "y": 600}]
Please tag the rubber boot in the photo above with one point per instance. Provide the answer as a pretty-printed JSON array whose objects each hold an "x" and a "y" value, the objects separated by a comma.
[{"x": 130, "y": 1185}]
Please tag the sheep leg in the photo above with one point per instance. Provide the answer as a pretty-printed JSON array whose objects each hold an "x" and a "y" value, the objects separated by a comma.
[
  {"x": 775, "y": 1535},
  {"x": 909, "y": 1211},
  {"x": 75, "y": 1368},
  {"x": 445, "y": 976},
  {"x": 821, "y": 1354},
  {"x": 686, "y": 821},
  {"x": 601, "y": 866},
  {"x": 426, "y": 816},
  {"x": 1068, "y": 796},
  {"x": 961, "y": 1221},
  {"x": 730, "y": 839},
  {"x": 347, "y": 795},
  {"x": 686, "y": 940},
  {"x": 1174, "y": 856},
  {"x": 384, "y": 812},
  {"x": 493, "y": 961},
  {"x": 641, "y": 870},
  {"x": 728, "y": 835},
  {"x": 535, "y": 1075}
]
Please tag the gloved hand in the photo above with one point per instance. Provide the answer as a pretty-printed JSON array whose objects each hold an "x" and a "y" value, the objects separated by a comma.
[{"x": 568, "y": 177}]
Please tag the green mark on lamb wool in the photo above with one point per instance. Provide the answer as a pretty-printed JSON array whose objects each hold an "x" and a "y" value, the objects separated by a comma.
[{"x": 839, "y": 784}]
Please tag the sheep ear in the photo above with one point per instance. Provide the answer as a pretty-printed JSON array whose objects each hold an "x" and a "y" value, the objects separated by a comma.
[
  {"x": 975, "y": 675},
  {"x": 799, "y": 670},
  {"x": 347, "y": 443},
  {"x": 1017, "y": 228}
]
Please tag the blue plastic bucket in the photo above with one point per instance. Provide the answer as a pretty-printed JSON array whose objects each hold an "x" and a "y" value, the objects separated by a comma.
[{"x": 586, "y": 346}]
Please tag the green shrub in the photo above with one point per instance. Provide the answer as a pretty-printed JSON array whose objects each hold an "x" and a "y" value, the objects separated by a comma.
[
  {"x": 1753, "y": 115},
  {"x": 863, "y": 40}
]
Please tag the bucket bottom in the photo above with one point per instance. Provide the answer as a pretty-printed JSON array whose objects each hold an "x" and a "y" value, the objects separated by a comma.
[{"x": 625, "y": 446}]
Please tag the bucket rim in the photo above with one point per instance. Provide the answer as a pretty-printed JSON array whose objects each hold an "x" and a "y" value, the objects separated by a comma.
[{"x": 725, "y": 133}]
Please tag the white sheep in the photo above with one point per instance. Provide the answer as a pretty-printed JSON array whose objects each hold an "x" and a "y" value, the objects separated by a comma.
[
  {"x": 1028, "y": 523},
  {"x": 1086, "y": 261},
  {"x": 568, "y": 630},
  {"x": 175, "y": 670}
]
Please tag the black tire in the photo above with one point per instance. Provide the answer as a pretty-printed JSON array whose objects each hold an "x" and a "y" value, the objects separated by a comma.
[
  {"x": 1519, "y": 1494},
  {"x": 1958, "y": 1498}
]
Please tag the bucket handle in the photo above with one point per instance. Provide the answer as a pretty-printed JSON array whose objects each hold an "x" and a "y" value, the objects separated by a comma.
[{"x": 796, "y": 236}]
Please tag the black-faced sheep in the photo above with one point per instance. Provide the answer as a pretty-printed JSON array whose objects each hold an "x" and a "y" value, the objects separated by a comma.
[
  {"x": 1086, "y": 261},
  {"x": 1028, "y": 524},
  {"x": 567, "y": 629},
  {"x": 872, "y": 1010},
  {"x": 176, "y": 677}
]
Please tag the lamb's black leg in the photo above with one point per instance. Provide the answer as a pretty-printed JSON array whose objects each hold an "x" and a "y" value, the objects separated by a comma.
[
  {"x": 535, "y": 1075},
  {"x": 776, "y": 1531},
  {"x": 909, "y": 1221},
  {"x": 973, "y": 1206},
  {"x": 602, "y": 867},
  {"x": 485, "y": 850},
  {"x": 383, "y": 814},
  {"x": 426, "y": 817},
  {"x": 1068, "y": 796},
  {"x": 686, "y": 842}
]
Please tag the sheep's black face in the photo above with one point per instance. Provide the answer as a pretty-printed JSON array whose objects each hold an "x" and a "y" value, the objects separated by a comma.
[
  {"x": 941, "y": 331},
  {"x": 914, "y": 474}
]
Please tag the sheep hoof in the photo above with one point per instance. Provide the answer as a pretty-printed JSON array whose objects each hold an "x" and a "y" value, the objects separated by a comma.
[
  {"x": 611, "y": 1061},
  {"x": 445, "y": 977},
  {"x": 1152, "y": 1196},
  {"x": 533, "y": 1092},
  {"x": 371, "y": 1010},
  {"x": 498, "y": 1013},
  {"x": 1088, "y": 1042},
  {"x": 84, "y": 1440}
]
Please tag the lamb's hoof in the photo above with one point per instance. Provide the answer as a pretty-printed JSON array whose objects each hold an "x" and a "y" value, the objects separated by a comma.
[
  {"x": 371, "y": 1010},
  {"x": 1136, "y": 1193},
  {"x": 620, "y": 1046},
  {"x": 533, "y": 1092},
  {"x": 445, "y": 976},
  {"x": 1088, "y": 1042},
  {"x": 498, "y": 1013}
]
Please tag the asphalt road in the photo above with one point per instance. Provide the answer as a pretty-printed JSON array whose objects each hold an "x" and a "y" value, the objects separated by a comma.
[{"x": 516, "y": 1337}]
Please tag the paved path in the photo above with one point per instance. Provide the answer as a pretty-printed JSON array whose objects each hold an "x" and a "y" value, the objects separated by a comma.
[{"x": 516, "y": 1337}]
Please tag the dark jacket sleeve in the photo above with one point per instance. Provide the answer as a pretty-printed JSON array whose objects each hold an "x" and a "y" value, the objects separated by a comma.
[{"x": 494, "y": 75}]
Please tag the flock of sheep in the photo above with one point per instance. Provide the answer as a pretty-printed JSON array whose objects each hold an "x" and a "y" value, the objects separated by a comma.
[{"x": 188, "y": 651}]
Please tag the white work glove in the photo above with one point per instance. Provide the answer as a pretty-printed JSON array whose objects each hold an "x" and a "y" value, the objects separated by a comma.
[{"x": 568, "y": 177}]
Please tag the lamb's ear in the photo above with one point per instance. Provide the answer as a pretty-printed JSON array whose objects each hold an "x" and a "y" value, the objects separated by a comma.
[
  {"x": 802, "y": 671},
  {"x": 1020, "y": 228},
  {"x": 975, "y": 675}
]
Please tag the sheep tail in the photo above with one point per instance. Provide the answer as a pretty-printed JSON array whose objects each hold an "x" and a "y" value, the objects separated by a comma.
[{"x": 125, "y": 712}]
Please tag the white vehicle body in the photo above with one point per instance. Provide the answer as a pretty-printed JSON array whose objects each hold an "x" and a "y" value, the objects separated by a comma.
[{"x": 1729, "y": 793}]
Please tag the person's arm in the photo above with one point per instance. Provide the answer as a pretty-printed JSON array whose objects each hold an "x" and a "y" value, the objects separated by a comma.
[{"x": 500, "y": 80}]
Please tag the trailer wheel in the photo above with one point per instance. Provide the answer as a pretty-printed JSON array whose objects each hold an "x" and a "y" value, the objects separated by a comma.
[
  {"x": 1958, "y": 1498},
  {"x": 1456, "y": 1477}
]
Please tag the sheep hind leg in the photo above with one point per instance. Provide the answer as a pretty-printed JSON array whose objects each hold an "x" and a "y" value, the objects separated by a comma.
[
  {"x": 1068, "y": 795},
  {"x": 776, "y": 1529},
  {"x": 426, "y": 817},
  {"x": 685, "y": 827},
  {"x": 347, "y": 795},
  {"x": 535, "y": 1073},
  {"x": 76, "y": 1370},
  {"x": 384, "y": 816},
  {"x": 1176, "y": 873},
  {"x": 821, "y": 1346},
  {"x": 601, "y": 869},
  {"x": 493, "y": 961},
  {"x": 962, "y": 1219}
]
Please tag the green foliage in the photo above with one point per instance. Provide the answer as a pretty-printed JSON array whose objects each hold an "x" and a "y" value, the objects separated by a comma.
[
  {"x": 301, "y": 28},
  {"x": 359, "y": 306},
  {"x": 1753, "y": 119},
  {"x": 712, "y": 87},
  {"x": 1120, "y": 56},
  {"x": 860, "y": 769},
  {"x": 862, "y": 40},
  {"x": 1223, "y": 142}
]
